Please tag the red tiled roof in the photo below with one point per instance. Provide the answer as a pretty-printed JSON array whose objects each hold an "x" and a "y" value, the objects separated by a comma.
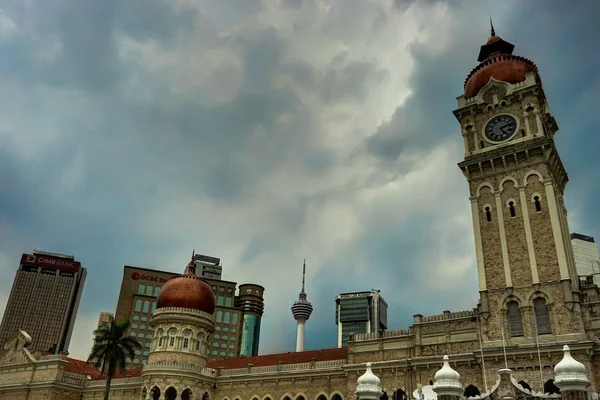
[
  {"x": 81, "y": 367},
  {"x": 286, "y": 358}
]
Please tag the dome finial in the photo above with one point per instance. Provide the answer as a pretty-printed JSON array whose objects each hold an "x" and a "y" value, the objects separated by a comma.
[
  {"x": 570, "y": 374},
  {"x": 192, "y": 265},
  {"x": 447, "y": 380},
  {"x": 493, "y": 32}
]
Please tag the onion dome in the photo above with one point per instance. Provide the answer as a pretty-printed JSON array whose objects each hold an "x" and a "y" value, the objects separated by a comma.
[
  {"x": 368, "y": 385},
  {"x": 569, "y": 373},
  {"x": 447, "y": 380},
  {"x": 187, "y": 291},
  {"x": 497, "y": 61}
]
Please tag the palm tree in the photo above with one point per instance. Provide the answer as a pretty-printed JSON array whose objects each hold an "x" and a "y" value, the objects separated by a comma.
[{"x": 112, "y": 348}]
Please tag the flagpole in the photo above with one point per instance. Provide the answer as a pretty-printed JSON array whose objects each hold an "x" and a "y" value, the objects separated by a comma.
[
  {"x": 502, "y": 332},
  {"x": 537, "y": 344},
  {"x": 481, "y": 348}
]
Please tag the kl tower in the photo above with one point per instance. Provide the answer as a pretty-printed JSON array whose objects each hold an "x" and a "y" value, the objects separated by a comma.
[{"x": 301, "y": 311}]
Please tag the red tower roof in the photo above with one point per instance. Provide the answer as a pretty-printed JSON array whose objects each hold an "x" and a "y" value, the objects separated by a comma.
[
  {"x": 498, "y": 62},
  {"x": 187, "y": 291}
]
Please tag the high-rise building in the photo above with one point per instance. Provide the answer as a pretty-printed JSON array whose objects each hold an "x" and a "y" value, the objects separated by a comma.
[
  {"x": 237, "y": 318},
  {"x": 44, "y": 300},
  {"x": 301, "y": 310},
  {"x": 208, "y": 267},
  {"x": 104, "y": 319},
  {"x": 359, "y": 312},
  {"x": 587, "y": 258}
]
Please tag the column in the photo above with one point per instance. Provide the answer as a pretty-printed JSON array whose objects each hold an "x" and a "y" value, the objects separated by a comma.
[{"x": 300, "y": 336}]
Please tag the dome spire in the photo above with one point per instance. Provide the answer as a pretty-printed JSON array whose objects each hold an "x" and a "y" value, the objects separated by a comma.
[
  {"x": 492, "y": 31},
  {"x": 191, "y": 268}
]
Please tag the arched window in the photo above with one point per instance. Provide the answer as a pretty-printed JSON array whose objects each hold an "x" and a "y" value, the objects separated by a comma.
[
  {"x": 538, "y": 205},
  {"x": 515, "y": 321},
  {"x": 336, "y": 396},
  {"x": 172, "y": 333},
  {"x": 384, "y": 396},
  {"x": 153, "y": 306},
  {"x": 156, "y": 290},
  {"x": 471, "y": 391},
  {"x": 399, "y": 395},
  {"x": 234, "y": 318},
  {"x": 149, "y": 290},
  {"x": 146, "y": 306},
  {"x": 186, "y": 338},
  {"x": 219, "y": 316},
  {"x": 542, "y": 317},
  {"x": 155, "y": 393},
  {"x": 186, "y": 394},
  {"x": 511, "y": 209},
  {"x": 141, "y": 289},
  {"x": 170, "y": 393},
  {"x": 138, "y": 305},
  {"x": 226, "y": 317},
  {"x": 488, "y": 214}
]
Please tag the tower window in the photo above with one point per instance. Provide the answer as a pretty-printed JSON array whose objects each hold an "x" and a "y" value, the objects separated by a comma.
[
  {"x": 538, "y": 205},
  {"x": 488, "y": 214},
  {"x": 542, "y": 316},
  {"x": 523, "y": 132},
  {"x": 511, "y": 208},
  {"x": 515, "y": 321},
  {"x": 481, "y": 144}
]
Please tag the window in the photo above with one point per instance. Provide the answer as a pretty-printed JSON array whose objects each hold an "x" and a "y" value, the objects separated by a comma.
[
  {"x": 217, "y": 328},
  {"x": 138, "y": 305},
  {"x": 156, "y": 291},
  {"x": 144, "y": 319},
  {"x": 134, "y": 326},
  {"x": 132, "y": 334},
  {"x": 220, "y": 300},
  {"x": 219, "y": 316},
  {"x": 222, "y": 354},
  {"x": 136, "y": 361},
  {"x": 230, "y": 354},
  {"x": 149, "y": 291},
  {"x": 160, "y": 338},
  {"x": 153, "y": 306},
  {"x": 232, "y": 346},
  {"x": 225, "y": 337},
  {"x": 215, "y": 344},
  {"x": 141, "y": 289},
  {"x": 488, "y": 214},
  {"x": 226, "y": 317},
  {"x": 215, "y": 353},
  {"x": 515, "y": 322},
  {"x": 198, "y": 345},
  {"x": 234, "y": 318},
  {"x": 228, "y": 301},
  {"x": 140, "y": 335},
  {"x": 186, "y": 338},
  {"x": 225, "y": 329},
  {"x": 216, "y": 336},
  {"x": 542, "y": 317},
  {"x": 136, "y": 317},
  {"x": 137, "y": 352},
  {"x": 146, "y": 306},
  {"x": 536, "y": 202},
  {"x": 142, "y": 326},
  {"x": 511, "y": 208},
  {"x": 148, "y": 336},
  {"x": 172, "y": 333},
  {"x": 146, "y": 353},
  {"x": 147, "y": 344}
]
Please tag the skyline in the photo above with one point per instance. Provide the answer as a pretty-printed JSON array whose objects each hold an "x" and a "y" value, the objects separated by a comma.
[{"x": 267, "y": 133}]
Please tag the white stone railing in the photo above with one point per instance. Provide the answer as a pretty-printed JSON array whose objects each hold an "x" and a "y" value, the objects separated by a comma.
[
  {"x": 181, "y": 310},
  {"x": 384, "y": 334},
  {"x": 155, "y": 366},
  {"x": 133, "y": 381},
  {"x": 284, "y": 367}
]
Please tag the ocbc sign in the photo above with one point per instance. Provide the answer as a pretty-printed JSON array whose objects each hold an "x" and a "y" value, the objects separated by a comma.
[{"x": 135, "y": 276}]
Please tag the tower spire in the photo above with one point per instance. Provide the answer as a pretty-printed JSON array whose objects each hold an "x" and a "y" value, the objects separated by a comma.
[
  {"x": 303, "y": 275},
  {"x": 191, "y": 268},
  {"x": 493, "y": 32}
]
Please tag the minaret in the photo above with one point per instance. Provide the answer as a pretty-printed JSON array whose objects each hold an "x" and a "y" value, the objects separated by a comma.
[{"x": 301, "y": 311}]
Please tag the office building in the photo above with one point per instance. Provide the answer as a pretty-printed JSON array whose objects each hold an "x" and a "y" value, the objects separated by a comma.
[
  {"x": 587, "y": 258},
  {"x": 44, "y": 300},
  {"x": 359, "y": 312},
  {"x": 104, "y": 319},
  {"x": 208, "y": 267},
  {"x": 237, "y": 318}
]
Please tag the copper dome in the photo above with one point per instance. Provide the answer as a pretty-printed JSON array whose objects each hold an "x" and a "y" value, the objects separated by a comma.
[
  {"x": 187, "y": 291},
  {"x": 498, "y": 62}
]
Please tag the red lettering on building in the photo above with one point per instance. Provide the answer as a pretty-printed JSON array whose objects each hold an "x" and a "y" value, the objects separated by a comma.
[
  {"x": 48, "y": 261},
  {"x": 135, "y": 276}
]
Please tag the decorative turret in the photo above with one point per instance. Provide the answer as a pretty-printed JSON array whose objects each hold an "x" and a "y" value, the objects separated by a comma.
[
  {"x": 301, "y": 310},
  {"x": 447, "y": 381},
  {"x": 368, "y": 386},
  {"x": 570, "y": 374}
]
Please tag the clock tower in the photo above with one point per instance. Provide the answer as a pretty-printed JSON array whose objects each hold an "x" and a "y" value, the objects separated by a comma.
[{"x": 527, "y": 280}]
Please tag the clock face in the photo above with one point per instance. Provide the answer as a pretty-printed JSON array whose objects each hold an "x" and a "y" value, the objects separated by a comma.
[{"x": 501, "y": 127}]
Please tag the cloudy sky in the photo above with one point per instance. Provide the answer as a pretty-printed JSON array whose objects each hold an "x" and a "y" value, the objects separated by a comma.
[{"x": 264, "y": 132}]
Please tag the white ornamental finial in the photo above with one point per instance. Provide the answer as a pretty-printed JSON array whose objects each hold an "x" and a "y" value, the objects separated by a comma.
[
  {"x": 368, "y": 385},
  {"x": 447, "y": 381},
  {"x": 570, "y": 374}
]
